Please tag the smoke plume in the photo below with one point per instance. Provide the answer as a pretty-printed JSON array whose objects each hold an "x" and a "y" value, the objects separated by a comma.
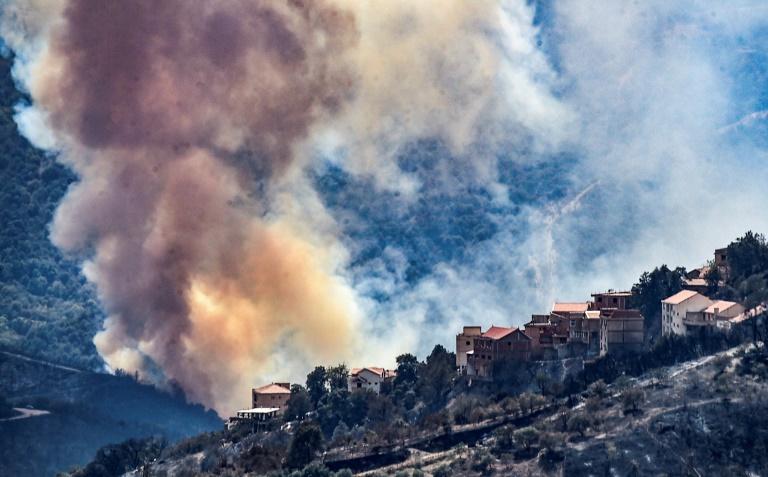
[
  {"x": 180, "y": 118},
  {"x": 484, "y": 158}
]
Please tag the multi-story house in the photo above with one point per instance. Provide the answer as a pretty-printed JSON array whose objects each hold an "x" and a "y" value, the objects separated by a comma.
[
  {"x": 497, "y": 344},
  {"x": 624, "y": 331},
  {"x": 610, "y": 299},
  {"x": 273, "y": 395},
  {"x": 465, "y": 342},
  {"x": 682, "y": 311}
]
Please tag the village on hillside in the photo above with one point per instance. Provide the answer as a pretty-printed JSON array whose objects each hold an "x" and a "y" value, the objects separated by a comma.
[{"x": 589, "y": 329}]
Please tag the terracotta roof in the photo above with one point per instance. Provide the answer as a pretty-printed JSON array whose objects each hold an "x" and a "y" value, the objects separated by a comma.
[
  {"x": 680, "y": 297},
  {"x": 697, "y": 282},
  {"x": 374, "y": 370},
  {"x": 579, "y": 307},
  {"x": 721, "y": 306},
  {"x": 272, "y": 389},
  {"x": 498, "y": 332}
]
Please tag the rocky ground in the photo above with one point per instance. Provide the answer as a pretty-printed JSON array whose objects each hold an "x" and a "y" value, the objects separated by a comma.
[{"x": 699, "y": 418}]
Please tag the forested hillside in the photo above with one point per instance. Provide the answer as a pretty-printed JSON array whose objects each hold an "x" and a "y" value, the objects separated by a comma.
[{"x": 46, "y": 307}]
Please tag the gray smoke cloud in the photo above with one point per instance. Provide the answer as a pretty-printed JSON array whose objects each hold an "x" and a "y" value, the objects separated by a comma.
[{"x": 194, "y": 129}]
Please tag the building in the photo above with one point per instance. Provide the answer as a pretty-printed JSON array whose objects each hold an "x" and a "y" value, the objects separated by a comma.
[
  {"x": 369, "y": 378},
  {"x": 465, "y": 342},
  {"x": 273, "y": 395},
  {"x": 610, "y": 299},
  {"x": 623, "y": 330},
  {"x": 497, "y": 344},
  {"x": 541, "y": 331},
  {"x": 681, "y": 310},
  {"x": 722, "y": 310},
  {"x": 590, "y": 333},
  {"x": 721, "y": 262},
  {"x": 698, "y": 285},
  {"x": 568, "y": 309}
]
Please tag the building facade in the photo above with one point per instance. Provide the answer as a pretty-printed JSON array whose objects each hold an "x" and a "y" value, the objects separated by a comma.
[
  {"x": 624, "y": 331},
  {"x": 680, "y": 311},
  {"x": 465, "y": 342},
  {"x": 610, "y": 299},
  {"x": 273, "y": 395},
  {"x": 495, "y": 345},
  {"x": 368, "y": 379}
]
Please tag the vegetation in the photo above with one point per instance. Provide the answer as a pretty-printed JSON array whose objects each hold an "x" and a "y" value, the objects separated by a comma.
[
  {"x": 115, "y": 460},
  {"x": 306, "y": 444},
  {"x": 651, "y": 288},
  {"x": 48, "y": 310}
]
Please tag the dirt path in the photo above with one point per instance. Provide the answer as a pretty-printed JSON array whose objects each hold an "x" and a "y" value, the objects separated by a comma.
[{"x": 44, "y": 363}]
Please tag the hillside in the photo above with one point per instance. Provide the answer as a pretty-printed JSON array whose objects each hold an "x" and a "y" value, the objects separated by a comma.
[
  {"x": 48, "y": 309},
  {"x": 80, "y": 411},
  {"x": 706, "y": 416}
]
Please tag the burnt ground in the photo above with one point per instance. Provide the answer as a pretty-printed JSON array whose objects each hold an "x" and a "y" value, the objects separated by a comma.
[{"x": 700, "y": 418}]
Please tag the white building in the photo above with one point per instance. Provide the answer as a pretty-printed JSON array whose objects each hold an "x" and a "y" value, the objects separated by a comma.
[
  {"x": 368, "y": 378},
  {"x": 680, "y": 308},
  {"x": 722, "y": 310}
]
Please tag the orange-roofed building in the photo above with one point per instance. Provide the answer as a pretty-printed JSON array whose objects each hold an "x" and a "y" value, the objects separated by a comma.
[
  {"x": 496, "y": 344},
  {"x": 566, "y": 308},
  {"x": 274, "y": 395}
]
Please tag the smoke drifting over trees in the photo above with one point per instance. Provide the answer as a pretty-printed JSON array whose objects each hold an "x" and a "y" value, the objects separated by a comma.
[{"x": 195, "y": 129}]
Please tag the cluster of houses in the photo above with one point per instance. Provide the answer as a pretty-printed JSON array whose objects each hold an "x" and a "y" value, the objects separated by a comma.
[
  {"x": 591, "y": 328},
  {"x": 270, "y": 401},
  {"x": 604, "y": 324},
  {"x": 691, "y": 312}
]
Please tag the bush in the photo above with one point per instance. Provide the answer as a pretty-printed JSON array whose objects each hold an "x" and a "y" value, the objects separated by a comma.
[
  {"x": 306, "y": 443},
  {"x": 578, "y": 423},
  {"x": 505, "y": 439},
  {"x": 631, "y": 399},
  {"x": 598, "y": 389},
  {"x": 442, "y": 471},
  {"x": 526, "y": 438},
  {"x": 482, "y": 461}
]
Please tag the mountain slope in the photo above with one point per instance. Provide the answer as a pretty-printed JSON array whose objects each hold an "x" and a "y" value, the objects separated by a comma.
[
  {"x": 48, "y": 309},
  {"x": 85, "y": 411}
]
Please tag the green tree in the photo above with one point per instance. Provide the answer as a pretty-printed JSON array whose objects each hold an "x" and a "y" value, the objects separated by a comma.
[
  {"x": 316, "y": 384},
  {"x": 407, "y": 371},
  {"x": 436, "y": 377},
  {"x": 298, "y": 405},
  {"x": 746, "y": 256},
  {"x": 651, "y": 288},
  {"x": 526, "y": 438},
  {"x": 305, "y": 445},
  {"x": 337, "y": 377}
]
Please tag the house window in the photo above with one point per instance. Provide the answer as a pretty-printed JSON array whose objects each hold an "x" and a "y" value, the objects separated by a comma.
[
  {"x": 615, "y": 300},
  {"x": 468, "y": 343},
  {"x": 359, "y": 385}
]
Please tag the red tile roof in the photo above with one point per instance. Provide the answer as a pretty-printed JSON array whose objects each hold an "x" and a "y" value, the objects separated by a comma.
[
  {"x": 680, "y": 297},
  {"x": 720, "y": 306},
  {"x": 498, "y": 332},
  {"x": 579, "y": 307},
  {"x": 272, "y": 389}
]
